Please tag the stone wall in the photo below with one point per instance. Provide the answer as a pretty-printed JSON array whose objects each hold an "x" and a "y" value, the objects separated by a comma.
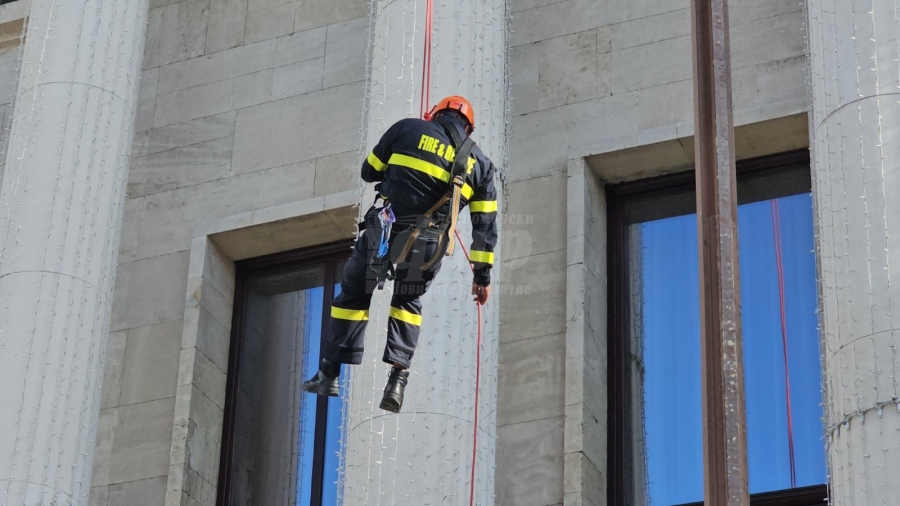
[
  {"x": 609, "y": 81},
  {"x": 855, "y": 78},
  {"x": 243, "y": 105},
  {"x": 12, "y": 18},
  {"x": 425, "y": 452},
  {"x": 9, "y": 79}
]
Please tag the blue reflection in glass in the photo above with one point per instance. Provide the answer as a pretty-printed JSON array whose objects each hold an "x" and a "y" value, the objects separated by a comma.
[
  {"x": 311, "y": 344},
  {"x": 672, "y": 360},
  {"x": 332, "y": 458},
  {"x": 671, "y": 352},
  {"x": 333, "y": 439}
]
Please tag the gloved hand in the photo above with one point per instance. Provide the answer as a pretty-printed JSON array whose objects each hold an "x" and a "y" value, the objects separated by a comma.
[
  {"x": 481, "y": 285},
  {"x": 481, "y": 293}
]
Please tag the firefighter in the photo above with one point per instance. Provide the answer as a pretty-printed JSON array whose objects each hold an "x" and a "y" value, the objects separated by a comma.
[{"x": 421, "y": 186}]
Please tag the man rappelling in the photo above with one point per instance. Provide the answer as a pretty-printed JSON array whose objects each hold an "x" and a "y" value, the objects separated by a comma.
[{"x": 426, "y": 170}]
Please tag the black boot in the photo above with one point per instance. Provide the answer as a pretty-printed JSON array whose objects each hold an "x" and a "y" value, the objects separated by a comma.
[
  {"x": 393, "y": 391},
  {"x": 325, "y": 382}
]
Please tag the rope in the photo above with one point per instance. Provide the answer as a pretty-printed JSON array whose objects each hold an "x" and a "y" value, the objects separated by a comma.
[
  {"x": 423, "y": 108},
  {"x": 477, "y": 382},
  {"x": 426, "y": 60},
  {"x": 779, "y": 263}
]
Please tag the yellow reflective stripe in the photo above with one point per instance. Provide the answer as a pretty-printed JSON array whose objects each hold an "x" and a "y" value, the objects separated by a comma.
[
  {"x": 406, "y": 316},
  {"x": 428, "y": 168},
  {"x": 420, "y": 165},
  {"x": 349, "y": 314},
  {"x": 485, "y": 257},
  {"x": 376, "y": 162},
  {"x": 483, "y": 206}
]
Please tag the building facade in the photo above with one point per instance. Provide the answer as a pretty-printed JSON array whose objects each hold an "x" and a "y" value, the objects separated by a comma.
[{"x": 242, "y": 140}]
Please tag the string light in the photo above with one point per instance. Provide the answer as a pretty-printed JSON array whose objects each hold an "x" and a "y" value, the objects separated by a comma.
[
  {"x": 51, "y": 455},
  {"x": 372, "y": 443},
  {"x": 850, "y": 160},
  {"x": 108, "y": 133}
]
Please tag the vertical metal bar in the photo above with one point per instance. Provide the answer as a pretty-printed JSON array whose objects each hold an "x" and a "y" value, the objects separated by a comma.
[{"x": 724, "y": 427}]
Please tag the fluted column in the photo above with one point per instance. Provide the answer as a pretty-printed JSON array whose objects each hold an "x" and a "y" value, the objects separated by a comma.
[
  {"x": 855, "y": 137},
  {"x": 60, "y": 216},
  {"x": 424, "y": 454}
]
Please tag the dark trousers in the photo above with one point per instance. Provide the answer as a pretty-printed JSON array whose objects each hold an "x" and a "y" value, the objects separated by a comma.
[{"x": 350, "y": 310}]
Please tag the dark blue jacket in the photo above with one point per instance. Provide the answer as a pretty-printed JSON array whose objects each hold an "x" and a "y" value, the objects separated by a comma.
[{"x": 412, "y": 162}]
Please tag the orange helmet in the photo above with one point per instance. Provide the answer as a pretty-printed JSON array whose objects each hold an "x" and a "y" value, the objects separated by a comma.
[{"x": 456, "y": 103}]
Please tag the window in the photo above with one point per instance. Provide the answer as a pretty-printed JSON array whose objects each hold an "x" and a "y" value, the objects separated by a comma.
[
  {"x": 280, "y": 445},
  {"x": 655, "y": 426}
]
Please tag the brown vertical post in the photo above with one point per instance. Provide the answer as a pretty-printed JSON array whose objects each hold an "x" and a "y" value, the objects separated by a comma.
[{"x": 724, "y": 421}]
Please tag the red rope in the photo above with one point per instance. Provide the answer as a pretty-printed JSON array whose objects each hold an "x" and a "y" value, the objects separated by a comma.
[
  {"x": 477, "y": 382},
  {"x": 426, "y": 61},
  {"x": 779, "y": 263},
  {"x": 423, "y": 108}
]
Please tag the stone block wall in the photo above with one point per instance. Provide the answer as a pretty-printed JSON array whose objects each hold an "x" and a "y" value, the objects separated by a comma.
[
  {"x": 591, "y": 78},
  {"x": 249, "y": 104},
  {"x": 243, "y": 105},
  {"x": 9, "y": 74},
  {"x": 12, "y": 18}
]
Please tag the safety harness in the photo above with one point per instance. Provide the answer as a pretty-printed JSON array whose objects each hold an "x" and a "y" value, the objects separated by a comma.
[
  {"x": 379, "y": 220},
  {"x": 457, "y": 178}
]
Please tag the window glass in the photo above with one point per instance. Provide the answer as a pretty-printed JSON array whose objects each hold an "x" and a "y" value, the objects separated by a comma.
[
  {"x": 307, "y": 416},
  {"x": 778, "y": 309},
  {"x": 286, "y": 443},
  {"x": 333, "y": 434}
]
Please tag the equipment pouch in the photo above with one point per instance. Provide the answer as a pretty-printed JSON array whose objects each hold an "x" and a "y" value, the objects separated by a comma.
[{"x": 378, "y": 222}]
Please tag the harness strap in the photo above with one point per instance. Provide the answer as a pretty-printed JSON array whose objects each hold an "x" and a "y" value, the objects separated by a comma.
[
  {"x": 463, "y": 149},
  {"x": 454, "y": 211},
  {"x": 457, "y": 179},
  {"x": 458, "y": 171}
]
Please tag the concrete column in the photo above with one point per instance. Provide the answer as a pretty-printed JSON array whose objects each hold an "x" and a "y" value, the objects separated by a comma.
[
  {"x": 855, "y": 137},
  {"x": 424, "y": 454},
  {"x": 60, "y": 213}
]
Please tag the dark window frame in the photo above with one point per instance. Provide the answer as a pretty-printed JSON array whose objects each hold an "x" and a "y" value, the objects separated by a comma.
[
  {"x": 328, "y": 254},
  {"x": 766, "y": 177}
]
